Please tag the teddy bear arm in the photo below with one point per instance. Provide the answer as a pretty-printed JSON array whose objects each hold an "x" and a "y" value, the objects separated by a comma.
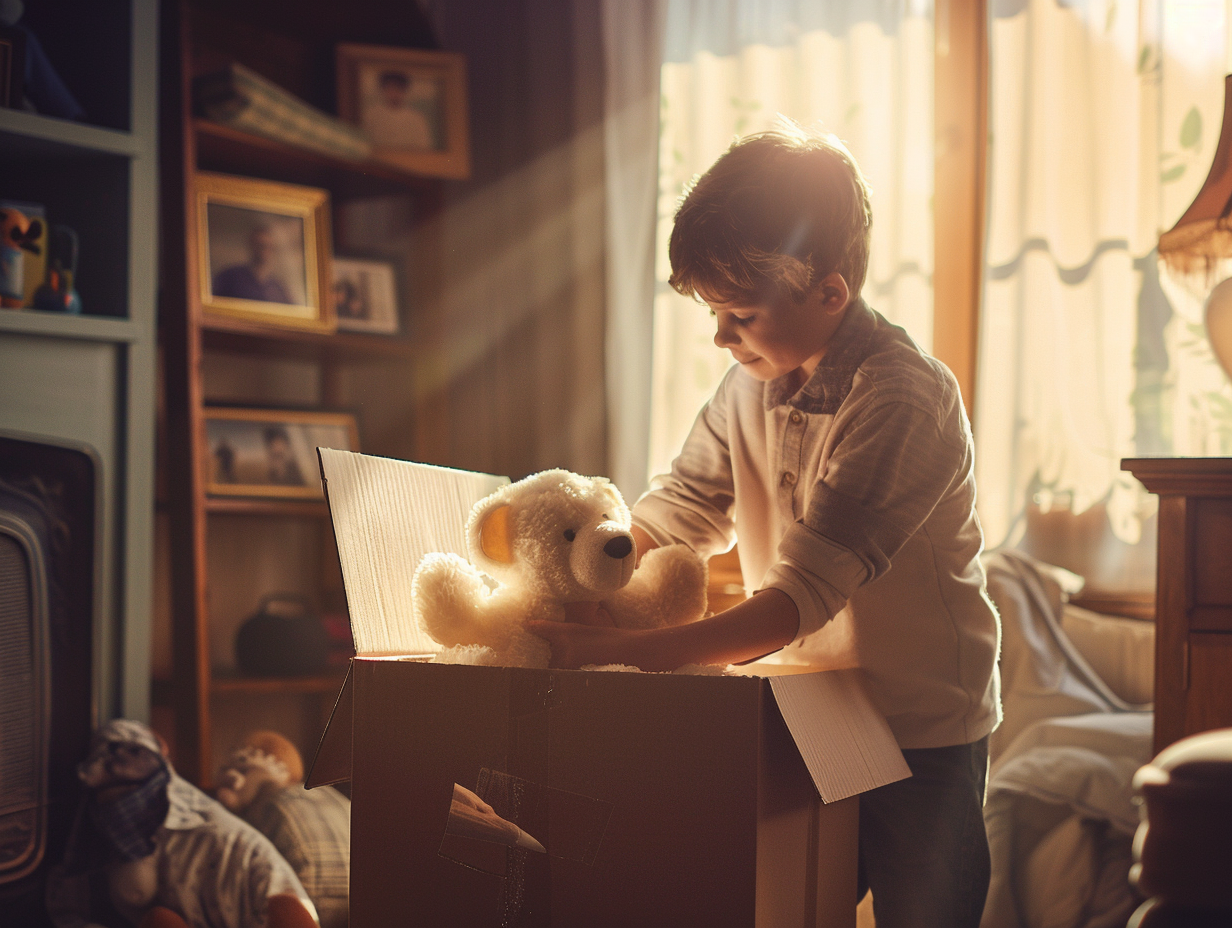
[
  {"x": 668, "y": 588},
  {"x": 454, "y": 606}
]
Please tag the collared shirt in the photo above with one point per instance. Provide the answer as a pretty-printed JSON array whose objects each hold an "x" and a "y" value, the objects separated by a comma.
[
  {"x": 855, "y": 496},
  {"x": 312, "y": 830},
  {"x": 216, "y": 869}
]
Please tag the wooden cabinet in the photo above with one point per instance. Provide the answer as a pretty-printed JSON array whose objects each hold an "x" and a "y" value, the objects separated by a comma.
[
  {"x": 87, "y": 381},
  {"x": 1193, "y": 643},
  {"x": 223, "y": 553}
]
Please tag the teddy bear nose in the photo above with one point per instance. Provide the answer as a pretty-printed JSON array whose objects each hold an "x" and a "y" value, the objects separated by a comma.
[{"x": 619, "y": 547}]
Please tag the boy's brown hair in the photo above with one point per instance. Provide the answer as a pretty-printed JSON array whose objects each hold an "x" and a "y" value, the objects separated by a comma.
[{"x": 778, "y": 211}]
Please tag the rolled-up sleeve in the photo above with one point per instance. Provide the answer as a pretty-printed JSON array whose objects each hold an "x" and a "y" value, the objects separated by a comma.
[
  {"x": 694, "y": 504},
  {"x": 887, "y": 471}
]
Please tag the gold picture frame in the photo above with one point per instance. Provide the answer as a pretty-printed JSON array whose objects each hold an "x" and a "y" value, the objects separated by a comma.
[
  {"x": 264, "y": 251},
  {"x": 271, "y": 452},
  {"x": 411, "y": 103}
]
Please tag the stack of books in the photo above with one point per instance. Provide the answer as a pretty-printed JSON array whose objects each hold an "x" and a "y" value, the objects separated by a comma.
[{"x": 243, "y": 99}]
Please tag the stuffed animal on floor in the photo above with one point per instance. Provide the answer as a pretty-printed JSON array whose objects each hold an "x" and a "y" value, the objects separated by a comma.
[
  {"x": 167, "y": 854},
  {"x": 263, "y": 783},
  {"x": 551, "y": 540}
]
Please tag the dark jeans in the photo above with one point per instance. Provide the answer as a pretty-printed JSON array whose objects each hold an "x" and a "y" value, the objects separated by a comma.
[{"x": 923, "y": 849}]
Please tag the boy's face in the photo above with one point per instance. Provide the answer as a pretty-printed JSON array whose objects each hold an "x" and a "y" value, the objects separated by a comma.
[{"x": 770, "y": 341}]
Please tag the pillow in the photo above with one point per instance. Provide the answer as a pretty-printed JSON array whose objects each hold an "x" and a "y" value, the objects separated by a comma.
[{"x": 1120, "y": 649}]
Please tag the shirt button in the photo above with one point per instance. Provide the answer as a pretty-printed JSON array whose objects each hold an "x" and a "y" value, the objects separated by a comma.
[
  {"x": 796, "y": 416},
  {"x": 789, "y": 479}
]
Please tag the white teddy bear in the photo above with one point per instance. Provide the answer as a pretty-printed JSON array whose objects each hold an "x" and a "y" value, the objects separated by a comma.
[{"x": 550, "y": 539}]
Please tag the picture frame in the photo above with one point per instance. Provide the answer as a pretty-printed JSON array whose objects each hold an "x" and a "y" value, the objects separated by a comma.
[
  {"x": 365, "y": 294},
  {"x": 411, "y": 103},
  {"x": 271, "y": 452},
  {"x": 264, "y": 251}
]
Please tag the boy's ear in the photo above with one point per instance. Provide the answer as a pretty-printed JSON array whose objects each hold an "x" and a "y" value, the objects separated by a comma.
[{"x": 835, "y": 294}]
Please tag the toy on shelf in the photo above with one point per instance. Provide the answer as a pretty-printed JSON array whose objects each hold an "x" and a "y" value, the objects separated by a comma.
[
  {"x": 58, "y": 293},
  {"x": 20, "y": 235},
  {"x": 38, "y": 87},
  {"x": 551, "y": 541}
]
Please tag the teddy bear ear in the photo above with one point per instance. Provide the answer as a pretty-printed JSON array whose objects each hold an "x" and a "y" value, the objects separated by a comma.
[{"x": 495, "y": 539}]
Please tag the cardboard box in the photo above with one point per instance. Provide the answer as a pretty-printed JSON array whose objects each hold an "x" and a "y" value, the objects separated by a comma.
[
  {"x": 661, "y": 799},
  {"x": 657, "y": 799}
]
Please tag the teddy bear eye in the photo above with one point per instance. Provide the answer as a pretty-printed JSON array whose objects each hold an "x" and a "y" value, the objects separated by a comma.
[
  {"x": 570, "y": 534},
  {"x": 606, "y": 516}
]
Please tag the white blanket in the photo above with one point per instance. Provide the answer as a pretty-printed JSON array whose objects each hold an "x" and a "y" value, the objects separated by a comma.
[{"x": 1059, "y": 810}]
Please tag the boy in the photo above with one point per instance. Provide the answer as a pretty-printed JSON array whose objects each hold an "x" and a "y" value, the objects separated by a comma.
[{"x": 842, "y": 455}]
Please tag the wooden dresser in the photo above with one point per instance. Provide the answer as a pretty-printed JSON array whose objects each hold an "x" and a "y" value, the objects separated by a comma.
[{"x": 1193, "y": 643}]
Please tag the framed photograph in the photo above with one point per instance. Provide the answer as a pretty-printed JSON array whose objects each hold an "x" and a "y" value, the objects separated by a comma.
[
  {"x": 263, "y": 251},
  {"x": 272, "y": 452},
  {"x": 365, "y": 295},
  {"x": 411, "y": 103}
]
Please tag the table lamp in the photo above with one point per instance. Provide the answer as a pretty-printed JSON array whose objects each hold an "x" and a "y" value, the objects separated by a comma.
[{"x": 1198, "y": 248}]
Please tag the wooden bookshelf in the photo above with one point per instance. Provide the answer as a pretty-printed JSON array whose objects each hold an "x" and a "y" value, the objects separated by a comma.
[{"x": 227, "y": 552}]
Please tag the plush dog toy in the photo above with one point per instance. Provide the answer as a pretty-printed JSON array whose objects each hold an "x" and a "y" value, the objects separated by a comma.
[
  {"x": 168, "y": 854},
  {"x": 552, "y": 539}
]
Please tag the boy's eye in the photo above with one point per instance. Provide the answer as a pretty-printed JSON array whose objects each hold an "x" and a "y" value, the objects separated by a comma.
[
  {"x": 570, "y": 534},
  {"x": 743, "y": 320}
]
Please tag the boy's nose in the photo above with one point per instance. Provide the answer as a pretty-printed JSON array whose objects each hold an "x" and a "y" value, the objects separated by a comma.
[{"x": 725, "y": 335}]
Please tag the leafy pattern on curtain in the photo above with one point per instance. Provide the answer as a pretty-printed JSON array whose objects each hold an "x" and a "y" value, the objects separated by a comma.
[
  {"x": 862, "y": 70},
  {"x": 1105, "y": 115}
]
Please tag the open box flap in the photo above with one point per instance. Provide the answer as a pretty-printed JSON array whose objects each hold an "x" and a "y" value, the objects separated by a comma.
[
  {"x": 386, "y": 515},
  {"x": 332, "y": 763},
  {"x": 845, "y": 742}
]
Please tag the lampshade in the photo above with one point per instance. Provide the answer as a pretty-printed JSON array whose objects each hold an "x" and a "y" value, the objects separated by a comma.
[
  {"x": 1198, "y": 249},
  {"x": 1203, "y": 234}
]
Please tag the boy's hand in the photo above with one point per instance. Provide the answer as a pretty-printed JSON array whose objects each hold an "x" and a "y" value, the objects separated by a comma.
[
  {"x": 765, "y": 622},
  {"x": 585, "y": 613},
  {"x": 575, "y": 646}
]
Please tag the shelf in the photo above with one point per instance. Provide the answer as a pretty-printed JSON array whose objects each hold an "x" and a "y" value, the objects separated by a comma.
[
  {"x": 329, "y": 683},
  {"x": 232, "y": 151},
  {"x": 236, "y": 336},
  {"x": 261, "y": 506},
  {"x": 32, "y": 134},
  {"x": 67, "y": 325}
]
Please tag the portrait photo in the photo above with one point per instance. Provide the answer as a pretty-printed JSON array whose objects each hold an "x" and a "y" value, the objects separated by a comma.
[
  {"x": 401, "y": 109},
  {"x": 410, "y": 103},
  {"x": 262, "y": 452},
  {"x": 256, "y": 255},
  {"x": 365, "y": 295},
  {"x": 264, "y": 251}
]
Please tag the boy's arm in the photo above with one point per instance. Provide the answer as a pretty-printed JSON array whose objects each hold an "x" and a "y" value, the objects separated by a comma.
[{"x": 760, "y": 625}]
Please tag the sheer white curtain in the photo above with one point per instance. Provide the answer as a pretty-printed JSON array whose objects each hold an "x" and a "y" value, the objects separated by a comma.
[
  {"x": 1105, "y": 116},
  {"x": 862, "y": 70}
]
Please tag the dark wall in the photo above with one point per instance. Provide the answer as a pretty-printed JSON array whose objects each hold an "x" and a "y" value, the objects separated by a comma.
[{"x": 523, "y": 262}]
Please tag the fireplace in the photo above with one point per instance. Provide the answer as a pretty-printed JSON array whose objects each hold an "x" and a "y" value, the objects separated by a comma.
[{"x": 48, "y": 495}]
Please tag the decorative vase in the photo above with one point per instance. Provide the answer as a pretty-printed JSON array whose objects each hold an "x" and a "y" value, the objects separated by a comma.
[{"x": 1219, "y": 324}]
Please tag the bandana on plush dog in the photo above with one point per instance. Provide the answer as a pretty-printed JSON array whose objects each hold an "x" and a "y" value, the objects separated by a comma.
[
  {"x": 127, "y": 777},
  {"x": 129, "y": 822}
]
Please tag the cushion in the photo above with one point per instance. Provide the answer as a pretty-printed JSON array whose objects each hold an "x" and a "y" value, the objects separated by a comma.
[{"x": 1120, "y": 649}]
